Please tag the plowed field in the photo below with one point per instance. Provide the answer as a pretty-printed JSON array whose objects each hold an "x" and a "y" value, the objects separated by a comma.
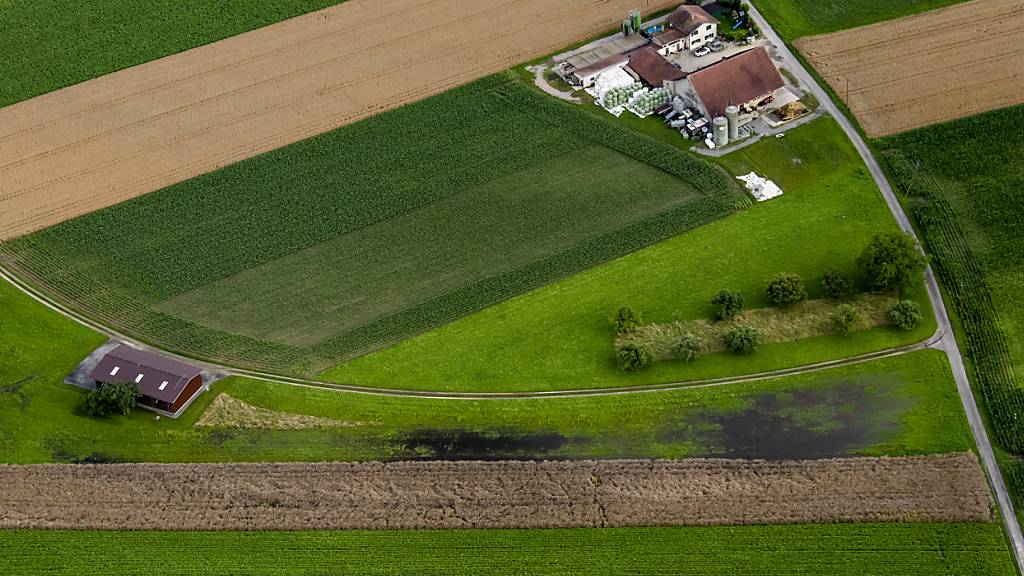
[
  {"x": 492, "y": 494},
  {"x": 100, "y": 142},
  {"x": 925, "y": 69}
]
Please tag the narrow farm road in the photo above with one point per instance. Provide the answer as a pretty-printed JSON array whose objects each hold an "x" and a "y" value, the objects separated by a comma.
[{"x": 948, "y": 340}]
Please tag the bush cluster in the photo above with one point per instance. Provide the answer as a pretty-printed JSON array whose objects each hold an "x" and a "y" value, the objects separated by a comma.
[
  {"x": 626, "y": 321},
  {"x": 905, "y": 314},
  {"x": 742, "y": 340},
  {"x": 845, "y": 319},
  {"x": 891, "y": 261},
  {"x": 633, "y": 356},
  {"x": 835, "y": 286},
  {"x": 728, "y": 303},
  {"x": 786, "y": 289},
  {"x": 688, "y": 347}
]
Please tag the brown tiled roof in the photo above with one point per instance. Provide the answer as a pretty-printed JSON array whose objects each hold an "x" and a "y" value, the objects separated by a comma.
[
  {"x": 653, "y": 67},
  {"x": 667, "y": 37},
  {"x": 162, "y": 378},
  {"x": 735, "y": 80},
  {"x": 686, "y": 19}
]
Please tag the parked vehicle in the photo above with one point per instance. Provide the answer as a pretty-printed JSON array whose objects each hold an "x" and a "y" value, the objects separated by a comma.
[
  {"x": 716, "y": 46},
  {"x": 702, "y": 51}
]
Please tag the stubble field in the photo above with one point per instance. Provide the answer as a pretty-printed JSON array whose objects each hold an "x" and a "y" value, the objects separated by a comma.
[
  {"x": 406, "y": 495},
  {"x": 116, "y": 137},
  {"x": 925, "y": 69}
]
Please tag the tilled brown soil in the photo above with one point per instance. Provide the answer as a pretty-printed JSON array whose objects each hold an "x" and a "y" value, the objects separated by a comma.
[
  {"x": 492, "y": 494},
  {"x": 97, "y": 143},
  {"x": 929, "y": 68}
]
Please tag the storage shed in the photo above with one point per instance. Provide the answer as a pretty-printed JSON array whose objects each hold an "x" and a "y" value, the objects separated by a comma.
[{"x": 166, "y": 385}]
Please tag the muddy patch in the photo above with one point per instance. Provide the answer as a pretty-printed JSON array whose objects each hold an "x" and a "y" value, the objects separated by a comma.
[
  {"x": 437, "y": 444},
  {"x": 836, "y": 420}
]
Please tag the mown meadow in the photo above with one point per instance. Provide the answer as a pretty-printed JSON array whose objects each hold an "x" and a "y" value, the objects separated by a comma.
[
  {"x": 795, "y": 18},
  {"x": 560, "y": 337},
  {"x": 963, "y": 184},
  {"x": 820, "y": 550},
  {"x": 897, "y": 406},
  {"x": 340, "y": 244}
]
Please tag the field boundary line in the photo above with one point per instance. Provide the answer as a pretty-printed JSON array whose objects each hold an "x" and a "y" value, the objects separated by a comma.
[{"x": 947, "y": 341}]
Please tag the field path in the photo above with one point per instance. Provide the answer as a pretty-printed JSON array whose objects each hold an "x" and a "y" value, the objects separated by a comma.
[
  {"x": 947, "y": 341},
  {"x": 116, "y": 137}
]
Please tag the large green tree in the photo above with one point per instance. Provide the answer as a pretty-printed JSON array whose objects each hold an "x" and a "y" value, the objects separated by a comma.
[
  {"x": 110, "y": 399},
  {"x": 891, "y": 261}
]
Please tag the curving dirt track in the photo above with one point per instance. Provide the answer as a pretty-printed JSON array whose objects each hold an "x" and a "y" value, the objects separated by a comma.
[
  {"x": 929, "y": 68},
  {"x": 98, "y": 143},
  {"x": 416, "y": 495}
]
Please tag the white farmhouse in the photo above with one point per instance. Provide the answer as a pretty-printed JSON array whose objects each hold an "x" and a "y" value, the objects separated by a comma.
[{"x": 690, "y": 28}]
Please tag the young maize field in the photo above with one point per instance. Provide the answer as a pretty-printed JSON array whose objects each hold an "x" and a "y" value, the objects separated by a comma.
[
  {"x": 338, "y": 245},
  {"x": 904, "y": 549}
]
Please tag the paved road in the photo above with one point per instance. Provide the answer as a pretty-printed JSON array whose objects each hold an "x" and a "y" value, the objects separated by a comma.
[{"x": 948, "y": 342}]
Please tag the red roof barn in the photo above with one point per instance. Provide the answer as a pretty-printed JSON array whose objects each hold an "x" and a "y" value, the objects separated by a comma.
[{"x": 166, "y": 384}]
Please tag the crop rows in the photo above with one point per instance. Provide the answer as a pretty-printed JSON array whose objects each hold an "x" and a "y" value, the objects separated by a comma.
[
  {"x": 841, "y": 550},
  {"x": 116, "y": 264}
]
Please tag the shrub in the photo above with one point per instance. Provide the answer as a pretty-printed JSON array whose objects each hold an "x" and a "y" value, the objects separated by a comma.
[
  {"x": 835, "y": 285},
  {"x": 890, "y": 261},
  {"x": 688, "y": 347},
  {"x": 742, "y": 340},
  {"x": 786, "y": 289},
  {"x": 905, "y": 314},
  {"x": 729, "y": 304},
  {"x": 626, "y": 321},
  {"x": 845, "y": 319},
  {"x": 110, "y": 399},
  {"x": 633, "y": 356}
]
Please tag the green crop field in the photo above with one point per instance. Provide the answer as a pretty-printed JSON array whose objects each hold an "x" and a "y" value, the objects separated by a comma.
[
  {"x": 329, "y": 248},
  {"x": 50, "y": 44},
  {"x": 897, "y": 406},
  {"x": 795, "y": 18},
  {"x": 963, "y": 183},
  {"x": 559, "y": 337},
  {"x": 810, "y": 550}
]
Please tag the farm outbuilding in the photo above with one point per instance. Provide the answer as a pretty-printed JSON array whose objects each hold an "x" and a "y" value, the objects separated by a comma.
[
  {"x": 166, "y": 385},
  {"x": 654, "y": 69},
  {"x": 748, "y": 80}
]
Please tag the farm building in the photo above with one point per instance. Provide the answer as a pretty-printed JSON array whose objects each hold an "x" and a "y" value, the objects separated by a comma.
[
  {"x": 587, "y": 75},
  {"x": 690, "y": 28},
  {"x": 654, "y": 69},
  {"x": 582, "y": 68},
  {"x": 748, "y": 80},
  {"x": 166, "y": 385}
]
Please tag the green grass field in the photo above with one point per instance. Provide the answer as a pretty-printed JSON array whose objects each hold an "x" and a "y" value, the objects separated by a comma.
[
  {"x": 902, "y": 405},
  {"x": 50, "y": 44},
  {"x": 559, "y": 337},
  {"x": 964, "y": 186},
  {"x": 809, "y": 550},
  {"x": 795, "y": 18},
  {"x": 329, "y": 248}
]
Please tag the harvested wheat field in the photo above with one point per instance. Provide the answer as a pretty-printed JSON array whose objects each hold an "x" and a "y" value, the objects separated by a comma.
[
  {"x": 100, "y": 142},
  {"x": 492, "y": 494},
  {"x": 929, "y": 68}
]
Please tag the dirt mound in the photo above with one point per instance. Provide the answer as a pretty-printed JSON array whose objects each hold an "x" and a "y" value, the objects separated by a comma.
[
  {"x": 97, "y": 143},
  {"x": 410, "y": 495},
  {"x": 933, "y": 67}
]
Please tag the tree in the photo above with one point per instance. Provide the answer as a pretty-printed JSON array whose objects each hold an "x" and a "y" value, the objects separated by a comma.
[
  {"x": 110, "y": 399},
  {"x": 905, "y": 314},
  {"x": 742, "y": 340},
  {"x": 891, "y": 261},
  {"x": 626, "y": 321},
  {"x": 688, "y": 347},
  {"x": 786, "y": 289},
  {"x": 728, "y": 303},
  {"x": 633, "y": 356},
  {"x": 846, "y": 318},
  {"x": 835, "y": 285}
]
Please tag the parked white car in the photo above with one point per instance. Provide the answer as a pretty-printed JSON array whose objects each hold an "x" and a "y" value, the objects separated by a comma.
[{"x": 702, "y": 51}]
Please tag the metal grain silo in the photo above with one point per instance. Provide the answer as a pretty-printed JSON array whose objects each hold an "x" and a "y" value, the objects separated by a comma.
[
  {"x": 732, "y": 114},
  {"x": 720, "y": 130}
]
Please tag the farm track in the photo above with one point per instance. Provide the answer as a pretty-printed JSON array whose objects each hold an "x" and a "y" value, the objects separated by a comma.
[
  {"x": 116, "y": 137},
  {"x": 948, "y": 341},
  {"x": 928, "y": 68},
  {"x": 500, "y": 494}
]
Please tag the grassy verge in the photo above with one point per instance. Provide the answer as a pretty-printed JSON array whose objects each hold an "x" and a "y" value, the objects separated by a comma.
[
  {"x": 348, "y": 242},
  {"x": 877, "y": 549},
  {"x": 902, "y": 405},
  {"x": 559, "y": 336},
  {"x": 795, "y": 18},
  {"x": 50, "y": 44}
]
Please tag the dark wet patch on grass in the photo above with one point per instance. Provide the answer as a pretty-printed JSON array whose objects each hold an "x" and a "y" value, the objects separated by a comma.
[
  {"x": 455, "y": 444},
  {"x": 835, "y": 420}
]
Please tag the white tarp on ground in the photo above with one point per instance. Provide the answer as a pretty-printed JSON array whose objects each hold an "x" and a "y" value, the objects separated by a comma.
[
  {"x": 761, "y": 188},
  {"x": 607, "y": 81}
]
